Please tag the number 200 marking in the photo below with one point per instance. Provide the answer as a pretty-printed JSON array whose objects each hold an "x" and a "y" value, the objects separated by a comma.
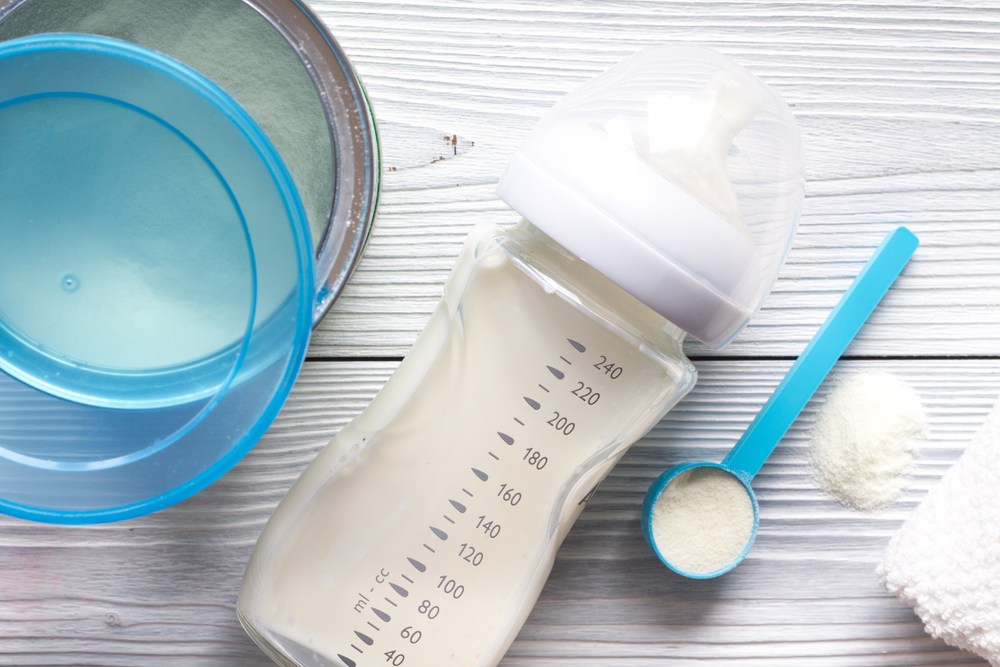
[{"x": 561, "y": 424}]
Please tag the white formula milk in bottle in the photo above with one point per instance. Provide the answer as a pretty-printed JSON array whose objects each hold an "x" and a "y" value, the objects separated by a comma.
[{"x": 424, "y": 532}]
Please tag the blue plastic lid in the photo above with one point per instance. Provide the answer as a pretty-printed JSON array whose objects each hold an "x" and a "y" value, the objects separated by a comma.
[{"x": 156, "y": 280}]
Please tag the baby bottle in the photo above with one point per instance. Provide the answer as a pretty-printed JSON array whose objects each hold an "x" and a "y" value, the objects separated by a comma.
[{"x": 659, "y": 200}]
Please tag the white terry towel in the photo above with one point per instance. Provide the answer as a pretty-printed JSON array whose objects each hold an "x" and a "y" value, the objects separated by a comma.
[{"x": 945, "y": 560}]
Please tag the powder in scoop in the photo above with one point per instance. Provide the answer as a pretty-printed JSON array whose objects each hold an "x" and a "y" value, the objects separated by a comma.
[
  {"x": 702, "y": 520},
  {"x": 863, "y": 439}
]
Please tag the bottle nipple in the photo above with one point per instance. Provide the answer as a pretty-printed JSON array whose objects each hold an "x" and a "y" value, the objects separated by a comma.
[{"x": 686, "y": 138}]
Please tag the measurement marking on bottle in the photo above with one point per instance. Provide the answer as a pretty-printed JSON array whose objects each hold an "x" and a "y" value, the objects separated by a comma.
[
  {"x": 546, "y": 390},
  {"x": 555, "y": 371},
  {"x": 494, "y": 456},
  {"x": 535, "y": 405},
  {"x": 481, "y": 475},
  {"x": 457, "y": 505},
  {"x": 440, "y": 533},
  {"x": 391, "y": 602},
  {"x": 566, "y": 360},
  {"x": 365, "y": 638},
  {"x": 407, "y": 578},
  {"x": 506, "y": 438},
  {"x": 399, "y": 589},
  {"x": 448, "y": 518},
  {"x": 375, "y": 626},
  {"x": 356, "y": 648},
  {"x": 381, "y": 614},
  {"x": 519, "y": 421},
  {"x": 468, "y": 493},
  {"x": 579, "y": 346},
  {"x": 347, "y": 661}
]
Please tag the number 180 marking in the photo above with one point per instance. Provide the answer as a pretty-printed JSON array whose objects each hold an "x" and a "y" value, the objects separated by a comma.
[{"x": 534, "y": 458}]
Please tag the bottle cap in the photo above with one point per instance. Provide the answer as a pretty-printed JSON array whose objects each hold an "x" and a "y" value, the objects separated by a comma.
[{"x": 678, "y": 175}]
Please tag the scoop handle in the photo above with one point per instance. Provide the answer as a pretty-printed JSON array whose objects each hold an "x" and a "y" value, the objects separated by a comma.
[{"x": 822, "y": 352}]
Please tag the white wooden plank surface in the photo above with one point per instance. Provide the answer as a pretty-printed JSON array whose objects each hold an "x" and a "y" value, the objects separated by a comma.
[
  {"x": 899, "y": 105},
  {"x": 161, "y": 590}
]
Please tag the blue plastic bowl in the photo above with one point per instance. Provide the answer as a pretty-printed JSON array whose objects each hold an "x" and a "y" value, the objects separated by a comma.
[{"x": 156, "y": 281}]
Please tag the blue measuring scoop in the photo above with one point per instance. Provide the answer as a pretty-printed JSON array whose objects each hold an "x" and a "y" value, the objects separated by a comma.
[{"x": 797, "y": 387}]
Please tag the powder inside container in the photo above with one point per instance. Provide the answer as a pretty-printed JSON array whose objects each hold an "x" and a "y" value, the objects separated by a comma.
[
  {"x": 702, "y": 520},
  {"x": 232, "y": 45},
  {"x": 863, "y": 439}
]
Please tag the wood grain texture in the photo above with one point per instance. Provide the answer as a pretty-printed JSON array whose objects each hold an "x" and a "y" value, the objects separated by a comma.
[
  {"x": 899, "y": 107},
  {"x": 161, "y": 589}
]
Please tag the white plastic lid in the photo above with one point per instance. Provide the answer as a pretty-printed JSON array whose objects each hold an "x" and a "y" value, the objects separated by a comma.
[{"x": 678, "y": 175}]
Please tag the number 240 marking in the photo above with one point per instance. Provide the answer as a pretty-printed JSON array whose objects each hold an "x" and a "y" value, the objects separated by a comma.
[{"x": 612, "y": 369}]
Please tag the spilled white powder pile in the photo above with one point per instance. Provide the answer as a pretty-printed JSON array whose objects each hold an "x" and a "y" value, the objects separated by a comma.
[
  {"x": 702, "y": 520},
  {"x": 945, "y": 560},
  {"x": 863, "y": 440}
]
